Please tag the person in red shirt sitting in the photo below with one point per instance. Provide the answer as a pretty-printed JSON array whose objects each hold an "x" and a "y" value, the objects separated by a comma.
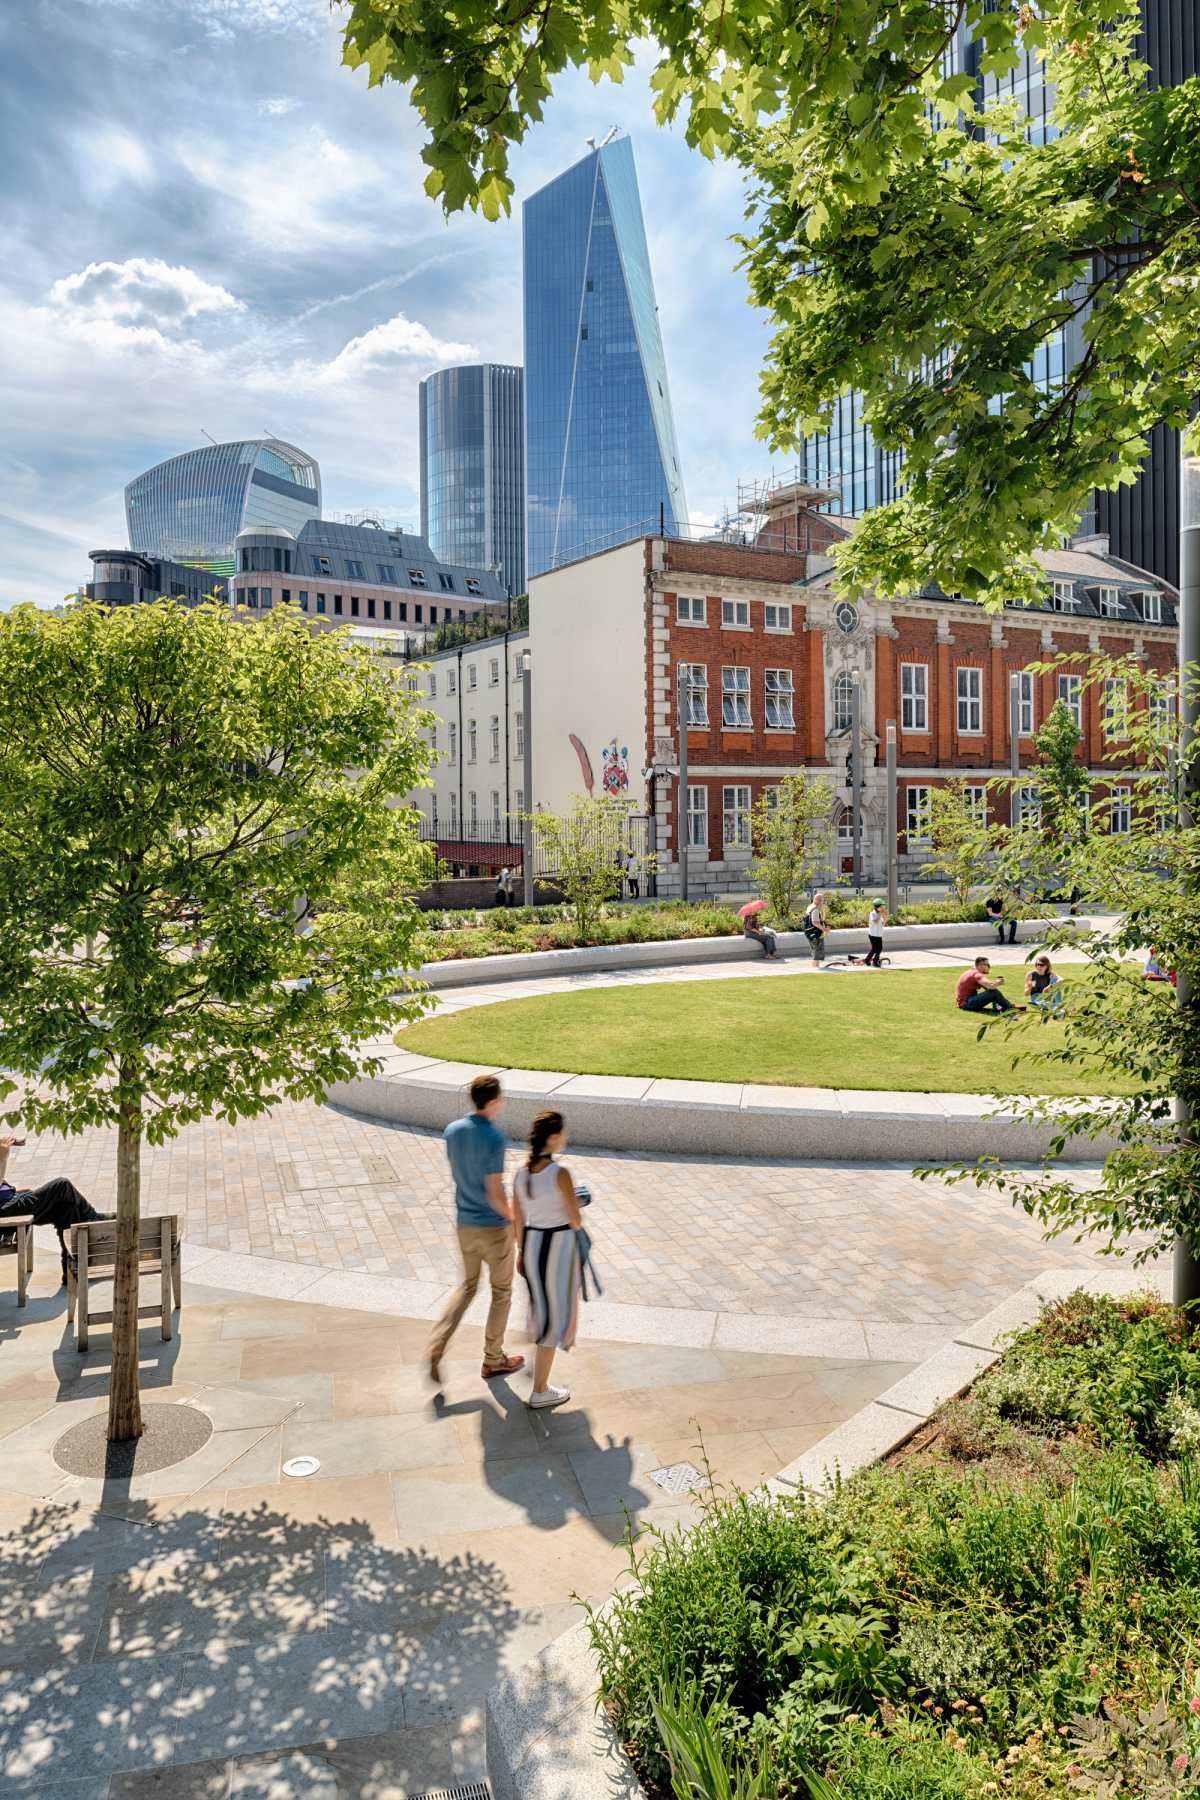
[{"x": 977, "y": 990}]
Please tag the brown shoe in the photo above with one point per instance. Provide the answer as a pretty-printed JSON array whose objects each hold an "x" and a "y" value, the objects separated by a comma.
[{"x": 508, "y": 1365}]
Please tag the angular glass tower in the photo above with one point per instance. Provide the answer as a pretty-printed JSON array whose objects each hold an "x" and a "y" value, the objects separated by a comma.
[
  {"x": 473, "y": 468},
  {"x": 190, "y": 508},
  {"x": 601, "y": 460}
]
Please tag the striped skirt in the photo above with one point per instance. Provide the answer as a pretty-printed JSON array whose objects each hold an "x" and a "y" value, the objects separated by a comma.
[{"x": 552, "y": 1275}]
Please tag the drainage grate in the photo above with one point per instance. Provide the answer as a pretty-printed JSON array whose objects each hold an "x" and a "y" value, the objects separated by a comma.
[
  {"x": 474, "y": 1790},
  {"x": 677, "y": 1478}
]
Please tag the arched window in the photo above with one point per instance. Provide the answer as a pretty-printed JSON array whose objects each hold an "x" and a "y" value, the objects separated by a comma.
[{"x": 843, "y": 701}]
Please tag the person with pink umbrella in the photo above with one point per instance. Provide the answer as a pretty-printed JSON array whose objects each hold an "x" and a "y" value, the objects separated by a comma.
[{"x": 752, "y": 925}]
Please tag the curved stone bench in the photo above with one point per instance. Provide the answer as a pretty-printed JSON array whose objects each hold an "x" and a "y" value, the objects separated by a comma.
[{"x": 714, "y": 1118}]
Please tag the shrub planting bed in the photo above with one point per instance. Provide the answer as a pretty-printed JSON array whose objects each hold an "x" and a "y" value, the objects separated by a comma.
[{"x": 1010, "y": 1607}]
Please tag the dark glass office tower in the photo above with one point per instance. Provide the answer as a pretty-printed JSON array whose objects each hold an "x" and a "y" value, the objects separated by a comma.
[
  {"x": 473, "y": 468},
  {"x": 601, "y": 460}
]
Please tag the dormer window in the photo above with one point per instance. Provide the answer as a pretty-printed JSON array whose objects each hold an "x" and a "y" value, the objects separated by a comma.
[
  {"x": 1108, "y": 602},
  {"x": 1063, "y": 597},
  {"x": 1151, "y": 603}
]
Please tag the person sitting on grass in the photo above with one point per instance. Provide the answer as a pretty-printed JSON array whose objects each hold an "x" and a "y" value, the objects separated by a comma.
[
  {"x": 1042, "y": 986},
  {"x": 978, "y": 990},
  {"x": 1155, "y": 970}
]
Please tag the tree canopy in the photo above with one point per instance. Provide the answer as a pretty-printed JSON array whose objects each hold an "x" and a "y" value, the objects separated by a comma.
[{"x": 909, "y": 236}]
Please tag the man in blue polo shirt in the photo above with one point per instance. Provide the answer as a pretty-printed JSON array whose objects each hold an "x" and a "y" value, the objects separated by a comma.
[{"x": 475, "y": 1147}]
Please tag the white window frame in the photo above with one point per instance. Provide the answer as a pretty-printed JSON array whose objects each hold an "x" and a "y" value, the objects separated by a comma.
[
  {"x": 777, "y": 619},
  {"x": 496, "y": 808},
  {"x": 1120, "y": 811},
  {"x": 968, "y": 684},
  {"x": 697, "y": 696},
  {"x": 735, "y": 615},
  {"x": 472, "y": 740},
  {"x": 914, "y": 697},
  {"x": 1070, "y": 692},
  {"x": 494, "y": 729},
  {"x": 1064, "y": 597},
  {"x": 1029, "y": 804},
  {"x": 735, "y": 811},
  {"x": 1025, "y": 703},
  {"x": 1160, "y": 705},
  {"x": 416, "y": 578},
  {"x": 843, "y": 683},
  {"x": 780, "y": 694},
  {"x": 433, "y": 731},
  {"x": 690, "y": 609},
  {"x": 1108, "y": 602},
  {"x": 1152, "y": 607},
  {"x": 494, "y": 671},
  {"x": 697, "y": 818},
  {"x": 453, "y": 730},
  {"x": 735, "y": 698},
  {"x": 519, "y": 733},
  {"x": 433, "y": 687},
  {"x": 451, "y": 682},
  {"x": 916, "y": 814},
  {"x": 1114, "y": 712},
  {"x": 472, "y": 677},
  {"x": 977, "y": 801},
  {"x": 454, "y": 815},
  {"x": 473, "y": 810}
]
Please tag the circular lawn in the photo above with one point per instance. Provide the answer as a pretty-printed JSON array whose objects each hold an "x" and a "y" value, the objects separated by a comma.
[{"x": 892, "y": 1029}]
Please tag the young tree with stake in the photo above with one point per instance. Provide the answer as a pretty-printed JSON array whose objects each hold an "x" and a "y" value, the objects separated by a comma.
[
  {"x": 793, "y": 835},
  {"x": 208, "y": 804}
]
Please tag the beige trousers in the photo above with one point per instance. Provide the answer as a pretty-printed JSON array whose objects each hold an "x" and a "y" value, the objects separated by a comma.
[{"x": 480, "y": 1244}]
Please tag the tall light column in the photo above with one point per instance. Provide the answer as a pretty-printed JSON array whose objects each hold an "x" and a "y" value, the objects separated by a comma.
[
  {"x": 856, "y": 774},
  {"x": 893, "y": 895},
  {"x": 683, "y": 823},
  {"x": 1187, "y": 1267},
  {"x": 1014, "y": 746},
  {"x": 527, "y": 812}
]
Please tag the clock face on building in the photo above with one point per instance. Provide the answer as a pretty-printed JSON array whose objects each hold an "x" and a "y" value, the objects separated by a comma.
[{"x": 846, "y": 616}]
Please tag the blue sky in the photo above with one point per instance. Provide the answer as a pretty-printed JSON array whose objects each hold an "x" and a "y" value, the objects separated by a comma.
[{"x": 208, "y": 224}]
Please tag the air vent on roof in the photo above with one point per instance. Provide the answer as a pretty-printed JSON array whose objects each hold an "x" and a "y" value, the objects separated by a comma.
[{"x": 475, "y": 1790}]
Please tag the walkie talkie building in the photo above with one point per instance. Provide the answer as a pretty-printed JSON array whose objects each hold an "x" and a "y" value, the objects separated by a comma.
[{"x": 190, "y": 508}]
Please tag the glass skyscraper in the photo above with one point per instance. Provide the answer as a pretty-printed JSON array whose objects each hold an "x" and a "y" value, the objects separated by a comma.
[
  {"x": 190, "y": 508},
  {"x": 473, "y": 468},
  {"x": 601, "y": 460}
]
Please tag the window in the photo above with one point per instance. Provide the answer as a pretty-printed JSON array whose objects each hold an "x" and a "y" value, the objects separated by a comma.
[
  {"x": 354, "y": 606},
  {"x": 843, "y": 701},
  {"x": 1120, "y": 811},
  {"x": 735, "y": 814},
  {"x": 735, "y": 699},
  {"x": 495, "y": 807},
  {"x": 320, "y": 603},
  {"x": 285, "y": 596},
  {"x": 454, "y": 812},
  {"x": 1070, "y": 692},
  {"x": 402, "y": 615},
  {"x": 472, "y": 740},
  {"x": 387, "y": 610},
  {"x": 1063, "y": 598},
  {"x": 304, "y": 599},
  {"x": 494, "y": 728},
  {"x": 777, "y": 618},
  {"x": 452, "y": 735},
  {"x": 689, "y": 609},
  {"x": 976, "y": 793},
  {"x": 472, "y": 677},
  {"x": 697, "y": 695},
  {"x": 433, "y": 731},
  {"x": 1114, "y": 716},
  {"x": 321, "y": 565},
  {"x": 1152, "y": 608},
  {"x": 916, "y": 815},
  {"x": 494, "y": 672},
  {"x": 473, "y": 586},
  {"x": 387, "y": 571},
  {"x": 447, "y": 581},
  {"x": 356, "y": 570},
  {"x": 1160, "y": 705},
  {"x": 337, "y": 603},
  {"x": 1029, "y": 805},
  {"x": 970, "y": 700},
  {"x": 1025, "y": 704},
  {"x": 697, "y": 818},
  {"x": 416, "y": 578},
  {"x": 451, "y": 682},
  {"x": 914, "y": 697},
  {"x": 735, "y": 614},
  {"x": 370, "y": 609},
  {"x": 519, "y": 731},
  {"x": 779, "y": 696},
  {"x": 416, "y": 613},
  {"x": 250, "y": 596},
  {"x": 433, "y": 687},
  {"x": 1108, "y": 600},
  {"x": 473, "y": 810}
]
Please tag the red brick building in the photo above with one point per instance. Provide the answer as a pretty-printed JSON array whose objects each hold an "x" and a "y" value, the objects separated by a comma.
[{"x": 773, "y": 655}]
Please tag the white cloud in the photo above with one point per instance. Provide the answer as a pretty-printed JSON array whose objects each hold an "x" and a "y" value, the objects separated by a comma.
[
  {"x": 399, "y": 340},
  {"x": 135, "y": 302},
  {"x": 283, "y": 103}
]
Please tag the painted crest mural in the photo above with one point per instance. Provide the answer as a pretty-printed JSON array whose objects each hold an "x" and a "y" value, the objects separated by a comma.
[{"x": 615, "y": 776}]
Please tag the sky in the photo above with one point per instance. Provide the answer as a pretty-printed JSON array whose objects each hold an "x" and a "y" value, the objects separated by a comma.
[{"x": 209, "y": 225}]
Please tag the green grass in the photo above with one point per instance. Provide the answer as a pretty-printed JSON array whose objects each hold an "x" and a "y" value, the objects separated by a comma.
[{"x": 898, "y": 1029}]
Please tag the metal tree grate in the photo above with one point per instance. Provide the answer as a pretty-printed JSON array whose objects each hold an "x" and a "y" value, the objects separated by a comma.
[
  {"x": 677, "y": 1478},
  {"x": 474, "y": 1790}
]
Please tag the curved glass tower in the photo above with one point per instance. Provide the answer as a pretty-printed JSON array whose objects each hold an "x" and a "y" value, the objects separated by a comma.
[
  {"x": 190, "y": 508},
  {"x": 472, "y": 468},
  {"x": 601, "y": 460}
]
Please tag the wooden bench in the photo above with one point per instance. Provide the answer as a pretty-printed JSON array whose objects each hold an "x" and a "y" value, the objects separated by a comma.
[
  {"x": 93, "y": 1258},
  {"x": 22, "y": 1249}
]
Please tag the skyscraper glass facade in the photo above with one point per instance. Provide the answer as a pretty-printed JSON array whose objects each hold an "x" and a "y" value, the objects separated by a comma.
[
  {"x": 601, "y": 461},
  {"x": 473, "y": 468},
  {"x": 190, "y": 508}
]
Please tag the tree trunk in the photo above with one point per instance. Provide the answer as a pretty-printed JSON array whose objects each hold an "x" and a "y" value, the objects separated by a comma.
[{"x": 124, "y": 1401}]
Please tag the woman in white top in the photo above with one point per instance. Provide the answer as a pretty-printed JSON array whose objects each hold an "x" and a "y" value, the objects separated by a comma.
[
  {"x": 546, "y": 1214},
  {"x": 876, "y": 920}
]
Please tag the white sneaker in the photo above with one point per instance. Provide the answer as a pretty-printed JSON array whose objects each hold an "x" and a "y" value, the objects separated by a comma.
[{"x": 551, "y": 1396}]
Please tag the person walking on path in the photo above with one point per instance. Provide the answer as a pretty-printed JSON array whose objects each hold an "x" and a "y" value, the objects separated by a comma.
[
  {"x": 57, "y": 1203},
  {"x": 548, "y": 1221},
  {"x": 978, "y": 990},
  {"x": 475, "y": 1147},
  {"x": 876, "y": 920},
  {"x": 815, "y": 926}
]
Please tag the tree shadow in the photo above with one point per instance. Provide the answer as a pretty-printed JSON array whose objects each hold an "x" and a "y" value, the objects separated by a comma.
[{"x": 134, "y": 1641}]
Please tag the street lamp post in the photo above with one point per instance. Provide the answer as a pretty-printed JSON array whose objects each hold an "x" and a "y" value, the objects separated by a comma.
[
  {"x": 1187, "y": 1267},
  {"x": 893, "y": 897},
  {"x": 684, "y": 679},
  {"x": 856, "y": 774},
  {"x": 1014, "y": 746},
  {"x": 527, "y": 798}
]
